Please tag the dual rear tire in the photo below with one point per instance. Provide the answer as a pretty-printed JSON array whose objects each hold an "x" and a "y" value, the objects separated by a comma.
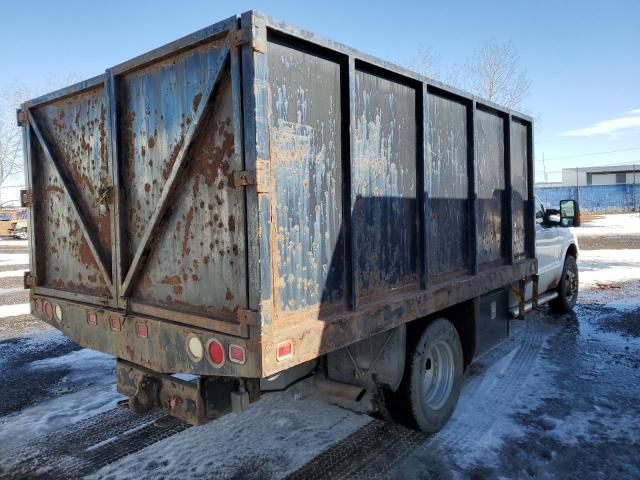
[{"x": 433, "y": 378}]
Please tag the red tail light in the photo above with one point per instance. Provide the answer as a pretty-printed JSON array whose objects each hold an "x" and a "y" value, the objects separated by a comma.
[
  {"x": 116, "y": 324},
  {"x": 142, "y": 330},
  {"x": 237, "y": 354},
  {"x": 48, "y": 310},
  {"x": 216, "y": 352},
  {"x": 92, "y": 318},
  {"x": 284, "y": 351}
]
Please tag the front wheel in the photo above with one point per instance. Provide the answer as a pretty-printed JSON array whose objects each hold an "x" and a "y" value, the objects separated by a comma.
[
  {"x": 567, "y": 288},
  {"x": 431, "y": 386}
]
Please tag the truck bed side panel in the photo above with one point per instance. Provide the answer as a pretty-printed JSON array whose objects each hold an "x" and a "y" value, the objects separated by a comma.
[{"x": 447, "y": 188}]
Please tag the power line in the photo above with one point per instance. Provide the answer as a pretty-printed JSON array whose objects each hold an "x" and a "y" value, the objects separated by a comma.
[{"x": 594, "y": 154}]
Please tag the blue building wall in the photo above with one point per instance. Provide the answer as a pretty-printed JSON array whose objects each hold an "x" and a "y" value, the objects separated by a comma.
[{"x": 594, "y": 198}]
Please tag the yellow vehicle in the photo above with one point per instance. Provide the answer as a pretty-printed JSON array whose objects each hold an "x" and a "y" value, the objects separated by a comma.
[
  {"x": 7, "y": 221},
  {"x": 19, "y": 228}
]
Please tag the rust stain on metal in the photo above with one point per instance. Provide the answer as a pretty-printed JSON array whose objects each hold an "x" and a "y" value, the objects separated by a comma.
[
  {"x": 86, "y": 256},
  {"x": 187, "y": 232}
]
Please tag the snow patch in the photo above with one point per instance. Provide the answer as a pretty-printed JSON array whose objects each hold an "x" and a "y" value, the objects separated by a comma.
[
  {"x": 13, "y": 259},
  {"x": 14, "y": 243},
  {"x": 618, "y": 224},
  {"x": 14, "y": 310},
  {"x": 275, "y": 436},
  {"x": 94, "y": 370},
  {"x": 609, "y": 277},
  {"x": 56, "y": 414},
  {"x": 13, "y": 273}
]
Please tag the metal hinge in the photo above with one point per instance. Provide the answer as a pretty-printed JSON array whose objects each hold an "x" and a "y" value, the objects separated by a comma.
[
  {"x": 21, "y": 117},
  {"x": 258, "y": 177},
  {"x": 242, "y": 178},
  {"x": 26, "y": 198},
  {"x": 29, "y": 280}
]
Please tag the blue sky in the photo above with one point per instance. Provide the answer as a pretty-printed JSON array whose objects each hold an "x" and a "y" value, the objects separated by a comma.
[{"x": 583, "y": 57}]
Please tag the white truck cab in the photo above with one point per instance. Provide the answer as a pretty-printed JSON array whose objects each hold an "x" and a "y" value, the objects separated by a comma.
[{"x": 557, "y": 254}]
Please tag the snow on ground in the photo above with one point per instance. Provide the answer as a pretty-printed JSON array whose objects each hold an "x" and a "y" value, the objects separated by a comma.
[
  {"x": 94, "y": 370},
  {"x": 13, "y": 259},
  {"x": 618, "y": 224},
  {"x": 13, "y": 273},
  {"x": 275, "y": 436},
  {"x": 14, "y": 310},
  {"x": 609, "y": 275},
  {"x": 14, "y": 243}
]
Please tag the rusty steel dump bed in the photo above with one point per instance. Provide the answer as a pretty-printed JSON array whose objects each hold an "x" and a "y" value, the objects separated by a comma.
[{"x": 259, "y": 185}]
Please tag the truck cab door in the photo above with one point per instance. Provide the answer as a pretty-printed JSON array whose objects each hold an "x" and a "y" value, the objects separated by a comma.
[{"x": 548, "y": 250}]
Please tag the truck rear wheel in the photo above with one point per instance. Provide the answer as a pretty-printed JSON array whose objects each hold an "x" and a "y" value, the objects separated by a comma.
[
  {"x": 567, "y": 288},
  {"x": 431, "y": 385}
]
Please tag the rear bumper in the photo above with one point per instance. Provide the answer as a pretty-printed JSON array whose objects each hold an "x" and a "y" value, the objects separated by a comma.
[
  {"x": 162, "y": 350},
  {"x": 196, "y": 402}
]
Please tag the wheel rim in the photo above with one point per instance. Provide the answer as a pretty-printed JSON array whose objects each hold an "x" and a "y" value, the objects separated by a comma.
[
  {"x": 570, "y": 284},
  {"x": 439, "y": 371}
]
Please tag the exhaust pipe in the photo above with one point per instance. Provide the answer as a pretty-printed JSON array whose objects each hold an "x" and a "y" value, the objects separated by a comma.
[{"x": 338, "y": 389}]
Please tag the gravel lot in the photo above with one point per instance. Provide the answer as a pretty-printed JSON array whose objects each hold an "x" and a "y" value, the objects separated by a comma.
[{"x": 556, "y": 400}]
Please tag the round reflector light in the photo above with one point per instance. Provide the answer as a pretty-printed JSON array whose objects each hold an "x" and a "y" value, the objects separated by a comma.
[
  {"x": 48, "y": 310},
  {"x": 195, "y": 348},
  {"x": 58, "y": 312},
  {"x": 216, "y": 352}
]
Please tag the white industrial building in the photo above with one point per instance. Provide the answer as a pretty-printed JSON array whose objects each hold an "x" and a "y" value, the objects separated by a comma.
[{"x": 608, "y": 175}]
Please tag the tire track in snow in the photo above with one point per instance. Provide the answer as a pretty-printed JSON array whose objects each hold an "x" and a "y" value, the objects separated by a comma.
[{"x": 87, "y": 446}]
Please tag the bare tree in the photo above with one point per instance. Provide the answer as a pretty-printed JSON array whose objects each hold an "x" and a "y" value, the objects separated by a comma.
[
  {"x": 11, "y": 158},
  {"x": 493, "y": 73},
  {"x": 11, "y": 162},
  {"x": 426, "y": 63}
]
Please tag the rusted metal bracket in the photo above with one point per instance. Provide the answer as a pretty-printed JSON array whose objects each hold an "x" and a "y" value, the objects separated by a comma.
[
  {"x": 26, "y": 198},
  {"x": 258, "y": 177},
  {"x": 534, "y": 294},
  {"x": 28, "y": 280},
  {"x": 21, "y": 117},
  {"x": 242, "y": 178},
  {"x": 239, "y": 37},
  {"x": 247, "y": 317},
  {"x": 246, "y": 36}
]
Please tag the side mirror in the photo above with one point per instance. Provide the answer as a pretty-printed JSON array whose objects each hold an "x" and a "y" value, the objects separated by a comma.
[{"x": 569, "y": 213}]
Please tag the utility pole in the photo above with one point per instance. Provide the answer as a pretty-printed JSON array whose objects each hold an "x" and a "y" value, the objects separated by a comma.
[
  {"x": 634, "y": 187},
  {"x": 577, "y": 186}
]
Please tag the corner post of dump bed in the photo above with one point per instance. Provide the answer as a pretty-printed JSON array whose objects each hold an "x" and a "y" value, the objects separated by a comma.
[
  {"x": 253, "y": 62},
  {"x": 23, "y": 116},
  {"x": 116, "y": 196}
]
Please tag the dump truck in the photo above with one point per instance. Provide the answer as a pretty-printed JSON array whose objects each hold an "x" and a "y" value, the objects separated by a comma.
[{"x": 253, "y": 204}]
